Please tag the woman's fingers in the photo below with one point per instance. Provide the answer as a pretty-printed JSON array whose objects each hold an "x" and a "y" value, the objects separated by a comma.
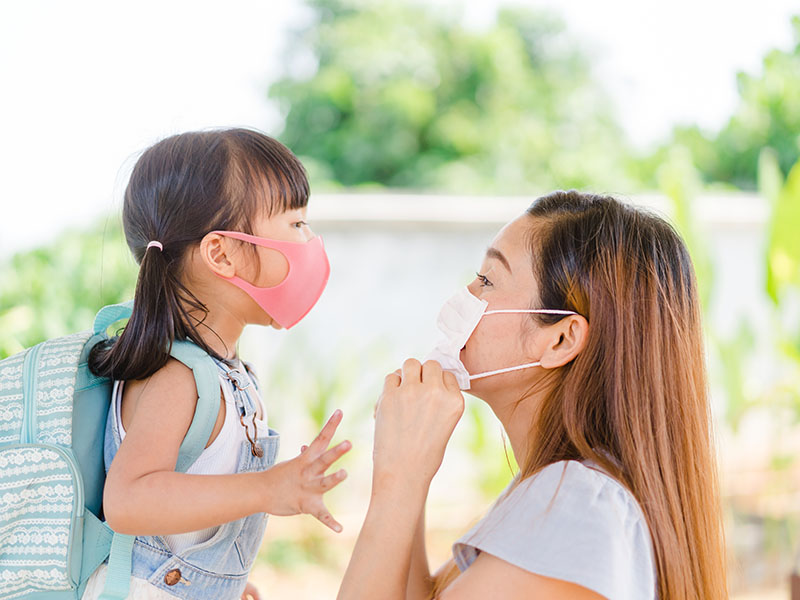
[
  {"x": 412, "y": 371},
  {"x": 323, "y": 439},
  {"x": 450, "y": 381},
  {"x": 324, "y": 461},
  {"x": 431, "y": 372},
  {"x": 392, "y": 380}
]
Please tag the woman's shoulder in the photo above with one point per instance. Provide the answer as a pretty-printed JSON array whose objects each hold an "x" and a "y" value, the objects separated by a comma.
[
  {"x": 569, "y": 493},
  {"x": 585, "y": 484},
  {"x": 569, "y": 521}
]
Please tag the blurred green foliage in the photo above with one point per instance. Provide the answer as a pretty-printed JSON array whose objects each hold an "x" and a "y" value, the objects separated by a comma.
[
  {"x": 782, "y": 267},
  {"x": 404, "y": 96},
  {"x": 768, "y": 116},
  {"x": 56, "y": 289}
]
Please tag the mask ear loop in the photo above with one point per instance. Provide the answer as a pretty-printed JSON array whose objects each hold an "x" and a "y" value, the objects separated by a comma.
[
  {"x": 549, "y": 311},
  {"x": 506, "y": 370}
]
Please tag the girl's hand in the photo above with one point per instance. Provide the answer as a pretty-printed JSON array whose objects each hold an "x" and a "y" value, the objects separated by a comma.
[
  {"x": 415, "y": 417},
  {"x": 297, "y": 485},
  {"x": 250, "y": 592}
]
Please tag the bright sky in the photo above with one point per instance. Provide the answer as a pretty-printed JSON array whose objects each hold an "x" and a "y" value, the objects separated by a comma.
[{"x": 86, "y": 85}]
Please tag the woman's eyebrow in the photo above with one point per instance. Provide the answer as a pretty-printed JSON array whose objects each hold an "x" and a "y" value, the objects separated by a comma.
[{"x": 492, "y": 252}]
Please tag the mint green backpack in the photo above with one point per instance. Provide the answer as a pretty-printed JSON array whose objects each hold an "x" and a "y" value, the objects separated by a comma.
[{"x": 53, "y": 413}]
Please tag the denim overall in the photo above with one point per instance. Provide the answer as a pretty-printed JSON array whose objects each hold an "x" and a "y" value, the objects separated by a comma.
[{"x": 217, "y": 568}]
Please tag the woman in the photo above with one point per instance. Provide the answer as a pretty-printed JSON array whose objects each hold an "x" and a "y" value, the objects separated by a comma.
[{"x": 603, "y": 397}]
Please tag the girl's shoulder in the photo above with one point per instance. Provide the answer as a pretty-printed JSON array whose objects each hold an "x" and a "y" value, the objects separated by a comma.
[
  {"x": 144, "y": 399},
  {"x": 174, "y": 376}
]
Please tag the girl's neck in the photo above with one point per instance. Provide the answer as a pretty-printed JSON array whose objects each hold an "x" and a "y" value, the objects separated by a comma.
[{"x": 220, "y": 329}]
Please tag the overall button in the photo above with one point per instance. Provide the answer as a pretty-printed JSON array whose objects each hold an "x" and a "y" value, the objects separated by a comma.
[{"x": 172, "y": 577}]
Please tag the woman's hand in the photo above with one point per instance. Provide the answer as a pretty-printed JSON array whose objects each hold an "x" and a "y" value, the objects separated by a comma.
[
  {"x": 415, "y": 417},
  {"x": 296, "y": 486}
]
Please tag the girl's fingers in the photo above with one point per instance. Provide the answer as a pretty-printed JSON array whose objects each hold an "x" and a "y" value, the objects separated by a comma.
[
  {"x": 321, "y": 441},
  {"x": 327, "y": 519},
  {"x": 331, "y": 481},
  {"x": 324, "y": 461},
  {"x": 250, "y": 592}
]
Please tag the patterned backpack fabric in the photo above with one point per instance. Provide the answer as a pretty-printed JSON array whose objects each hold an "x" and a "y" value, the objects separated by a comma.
[{"x": 53, "y": 413}]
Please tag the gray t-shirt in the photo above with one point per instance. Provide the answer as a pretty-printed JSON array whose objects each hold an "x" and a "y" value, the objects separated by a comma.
[{"x": 571, "y": 521}]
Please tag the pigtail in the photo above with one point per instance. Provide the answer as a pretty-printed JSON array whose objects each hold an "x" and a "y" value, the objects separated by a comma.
[{"x": 160, "y": 316}]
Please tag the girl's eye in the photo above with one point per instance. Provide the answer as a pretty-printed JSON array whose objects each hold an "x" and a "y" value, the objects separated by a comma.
[
  {"x": 300, "y": 224},
  {"x": 484, "y": 281}
]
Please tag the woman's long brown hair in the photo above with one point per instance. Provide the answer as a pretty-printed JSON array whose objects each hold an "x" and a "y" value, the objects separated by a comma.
[{"x": 635, "y": 399}]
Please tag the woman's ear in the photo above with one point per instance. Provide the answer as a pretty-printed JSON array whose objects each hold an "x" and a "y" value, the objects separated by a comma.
[
  {"x": 214, "y": 252},
  {"x": 564, "y": 341}
]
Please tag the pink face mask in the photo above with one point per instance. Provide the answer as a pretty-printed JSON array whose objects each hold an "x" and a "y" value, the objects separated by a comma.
[{"x": 290, "y": 300}]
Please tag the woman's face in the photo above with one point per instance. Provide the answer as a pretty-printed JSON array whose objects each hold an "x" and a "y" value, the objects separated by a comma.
[{"x": 505, "y": 280}]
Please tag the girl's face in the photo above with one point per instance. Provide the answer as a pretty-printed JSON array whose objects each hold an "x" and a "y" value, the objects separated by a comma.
[
  {"x": 506, "y": 281},
  {"x": 271, "y": 267}
]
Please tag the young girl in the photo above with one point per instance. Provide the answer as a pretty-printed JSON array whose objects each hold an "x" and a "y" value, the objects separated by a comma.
[
  {"x": 216, "y": 221},
  {"x": 582, "y": 332}
]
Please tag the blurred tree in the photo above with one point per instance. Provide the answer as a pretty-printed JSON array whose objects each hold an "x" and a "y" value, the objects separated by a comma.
[
  {"x": 407, "y": 97},
  {"x": 768, "y": 115},
  {"x": 57, "y": 289}
]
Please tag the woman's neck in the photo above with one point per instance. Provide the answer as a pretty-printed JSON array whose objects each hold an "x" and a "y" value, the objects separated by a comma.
[{"x": 516, "y": 414}]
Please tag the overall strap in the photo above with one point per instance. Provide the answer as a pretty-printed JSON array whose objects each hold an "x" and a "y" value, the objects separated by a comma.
[{"x": 246, "y": 404}]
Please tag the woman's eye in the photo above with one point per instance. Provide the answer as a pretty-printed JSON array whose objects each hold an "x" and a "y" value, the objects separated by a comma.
[{"x": 484, "y": 281}]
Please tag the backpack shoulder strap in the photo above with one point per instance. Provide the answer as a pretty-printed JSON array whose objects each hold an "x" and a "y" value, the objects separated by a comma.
[
  {"x": 208, "y": 392},
  {"x": 118, "y": 575},
  {"x": 205, "y": 377},
  {"x": 205, "y": 416},
  {"x": 111, "y": 314}
]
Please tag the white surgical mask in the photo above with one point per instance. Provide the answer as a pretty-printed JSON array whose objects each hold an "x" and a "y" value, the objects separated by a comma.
[{"x": 458, "y": 318}]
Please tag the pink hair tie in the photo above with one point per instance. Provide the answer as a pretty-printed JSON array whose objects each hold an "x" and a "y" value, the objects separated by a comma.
[{"x": 156, "y": 244}]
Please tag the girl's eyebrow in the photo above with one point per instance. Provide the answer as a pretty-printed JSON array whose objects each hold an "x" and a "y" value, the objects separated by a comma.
[{"x": 492, "y": 252}]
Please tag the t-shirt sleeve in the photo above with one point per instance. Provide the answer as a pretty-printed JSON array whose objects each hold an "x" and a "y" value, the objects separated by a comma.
[{"x": 573, "y": 523}]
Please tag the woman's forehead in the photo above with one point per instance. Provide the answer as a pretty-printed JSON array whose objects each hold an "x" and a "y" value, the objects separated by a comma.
[{"x": 512, "y": 241}]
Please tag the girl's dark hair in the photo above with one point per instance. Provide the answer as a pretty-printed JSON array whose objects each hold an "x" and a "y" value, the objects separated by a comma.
[{"x": 182, "y": 188}]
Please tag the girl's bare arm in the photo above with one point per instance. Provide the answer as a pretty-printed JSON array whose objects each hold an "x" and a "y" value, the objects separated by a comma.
[{"x": 144, "y": 495}]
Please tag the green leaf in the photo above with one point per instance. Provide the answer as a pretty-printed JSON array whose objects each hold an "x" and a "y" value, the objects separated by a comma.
[{"x": 783, "y": 244}]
